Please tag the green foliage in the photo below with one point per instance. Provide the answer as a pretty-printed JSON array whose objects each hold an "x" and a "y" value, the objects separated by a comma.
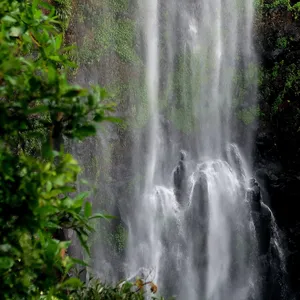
[
  {"x": 281, "y": 83},
  {"x": 290, "y": 86},
  {"x": 296, "y": 10},
  {"x": 266, "y": 5},
  {"x": 279, "y": 87},
  {"x": 296, "y": 6},
  {"x": 95, "y": 290},
  {"x": 141, "y": 108},
  {"x": 63, "y": 10},
  {"x": 277, "y": 3},
  {"x": 34, "y": 204},
  {"x": 282, "y": 43},
  {"x": 261, "y": 5},
  {"x": 244, "y": 82},
  {"x": 37, "y": 104}
]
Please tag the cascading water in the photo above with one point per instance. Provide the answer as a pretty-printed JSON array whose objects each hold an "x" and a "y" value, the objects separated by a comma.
[
  {"x": 189, "y": 220},
  {"x": 191, "y": 227}
]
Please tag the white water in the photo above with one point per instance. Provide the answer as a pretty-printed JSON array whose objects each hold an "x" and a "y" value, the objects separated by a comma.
[
  {"x": 149, "y": 11},
  {"x": 202, "y": 247}
]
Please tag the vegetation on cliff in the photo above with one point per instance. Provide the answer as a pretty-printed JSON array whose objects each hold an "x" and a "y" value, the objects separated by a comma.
[
  {"x": 277, "y": 155},
  {"x": 38, "y": 198},
  {"x": 278, "y": 40}
]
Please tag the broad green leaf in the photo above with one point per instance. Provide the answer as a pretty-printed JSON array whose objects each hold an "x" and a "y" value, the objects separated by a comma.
[
  {"x": 64, "y": 245},
  {"x": 34, "y": 5},
  {"x": 47, "y": 210},
  {"x": 86, "y": 130},
  {"x": 87, "y": 209},
  {"x": 103, "y": 93},
  {"x": 47, "y": 167},
  {"x": 12, "y": 80},
  {"x": 42, "y": 237},
  {"x": 72, "y": 282},
  {"x": 48, "y": 186},
  {"x": 5, "y": 247},
  {"x": 52, "y": 194},
  {"x": 58, "y": 41},
  {"x": 80, "y": 262},
  {"x": 38, "y": 109},
  {"x": 8, "y": 19},
  {"x": 102, "y": 216},
  {"x": 6, "y": 262},
  {"x": 60, "y": 180},
  {"x": 68, "y": 202},
  {"x": 112, "y": 119},
  {"x": 78, "y": 200},
  {"x": 15, "y": 31},
  {"x": 52, "y": 225},
  {"x": 82, "y": 241},
  {"x": 55, "y": 58},
  {"x": 47, "y": 150},
  {"x": 52, "y": 74}
]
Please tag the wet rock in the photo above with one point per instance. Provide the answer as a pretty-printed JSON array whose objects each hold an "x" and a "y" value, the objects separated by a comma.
[
  {"x": 179, "y": 178},
  {"x": 272, "y": 281},
  {"x": 197, "y": 221},
  {"x": 262, "y": 217},
  {"x": 234, "y": 159}
]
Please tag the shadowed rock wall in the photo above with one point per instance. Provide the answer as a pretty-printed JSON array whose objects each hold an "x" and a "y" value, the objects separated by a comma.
[{"x": 277, "y": 149}]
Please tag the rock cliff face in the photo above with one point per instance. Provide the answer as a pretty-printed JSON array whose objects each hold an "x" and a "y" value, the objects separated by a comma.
[
  {"x": 103, "y": 32},
  {"x": 277, "y": 148}
]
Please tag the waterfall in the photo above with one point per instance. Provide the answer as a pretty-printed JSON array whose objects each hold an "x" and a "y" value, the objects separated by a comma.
[
  {"x": 195, "y": 240},
  {"x": 185, "y": 210}
]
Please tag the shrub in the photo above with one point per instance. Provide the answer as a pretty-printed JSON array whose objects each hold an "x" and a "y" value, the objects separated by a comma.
[{"x": 37, "y": 104}]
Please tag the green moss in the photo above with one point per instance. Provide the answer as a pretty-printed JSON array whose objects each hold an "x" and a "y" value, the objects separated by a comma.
[
  {"x": 274, "y": 71},
  {"x": 248, "y": 115},
  {"x": 282, "y": 43},
  {"x": 243, "y": 83},
  {"x": 119, "y": 6},
  {"x": 140, "y": 109},
  {"x": 183, "y": 91},
  {"x": 119, "y": 238},
  {"x": 115, "y": 239},
  {"x": 114, "y": 32}
]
